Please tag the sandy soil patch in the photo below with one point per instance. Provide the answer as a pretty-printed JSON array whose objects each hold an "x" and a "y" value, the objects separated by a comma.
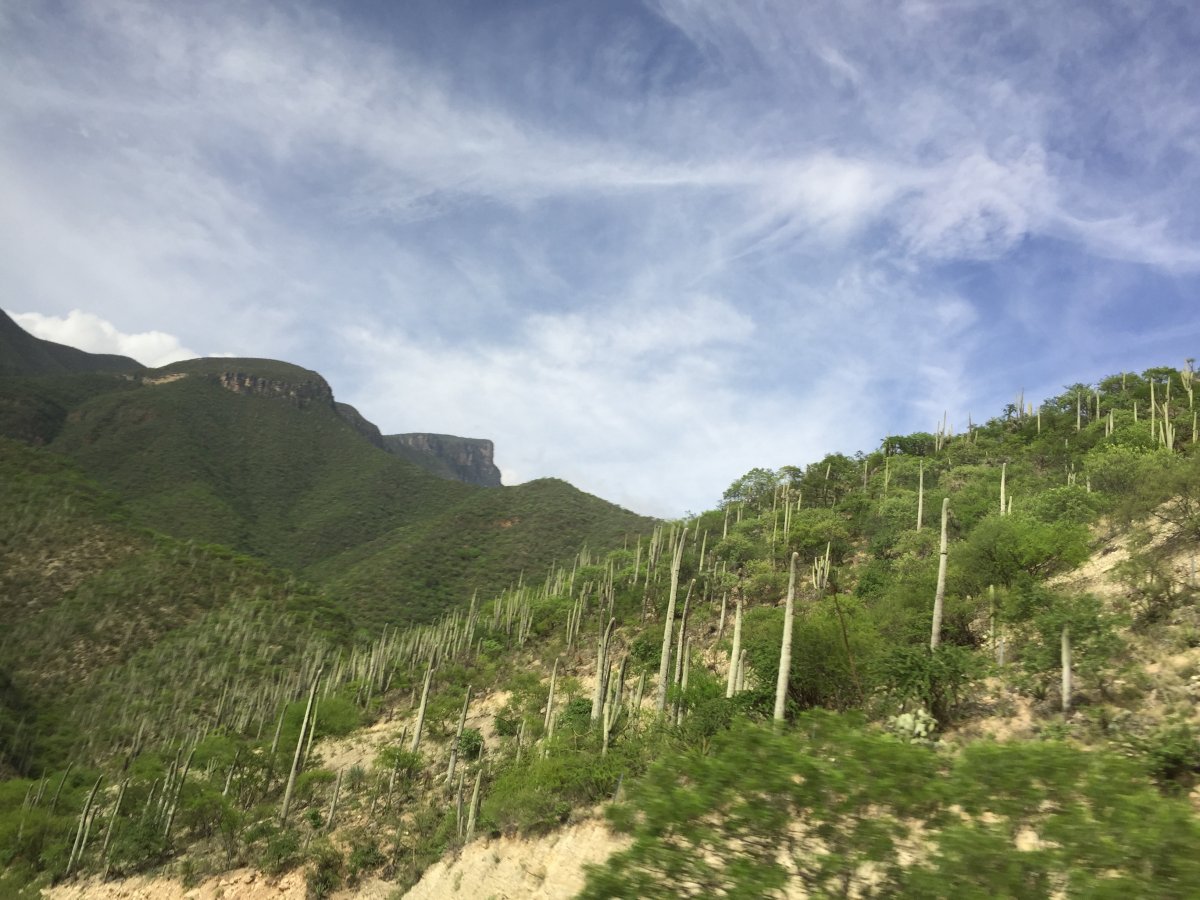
[
  {"x": 510, "y": 868},
  {"x": 239, "y": 884}
]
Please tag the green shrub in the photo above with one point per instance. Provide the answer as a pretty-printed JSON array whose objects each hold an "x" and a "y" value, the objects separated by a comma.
[
  {"x": 575, "y": 718},
  {"x": 405, "y": 763},
  {"x": 470, "y": 743},
  {"x": 326, "y": 869},
  {"x": 540, "y": 793},
  {"x": 938, "y": 681},
  {"x": 507, "y": 721},
  {"x": 365, "y": 857},
  {"x": 308, "y": 782},
  {"x": 280, "y": 851}
]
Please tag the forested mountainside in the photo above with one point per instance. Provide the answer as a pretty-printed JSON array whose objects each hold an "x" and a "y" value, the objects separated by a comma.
[
  {"x": 34, "y": 409},
  {"x": 257, "y": 456},
  {"x": 956, "y": 665}
]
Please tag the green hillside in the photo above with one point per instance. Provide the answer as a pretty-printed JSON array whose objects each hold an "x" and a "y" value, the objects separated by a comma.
[
  {"x": 84, "y": 591},
  {"x": 290, "y": 483},
  {"x": 268, "y": 467},
  {"x": 492, "y": 538},
  {"x": 1037, "y": 737}
]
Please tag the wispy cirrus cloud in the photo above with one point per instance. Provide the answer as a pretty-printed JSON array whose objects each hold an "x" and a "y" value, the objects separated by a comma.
[{"x": 669, "y": 237}]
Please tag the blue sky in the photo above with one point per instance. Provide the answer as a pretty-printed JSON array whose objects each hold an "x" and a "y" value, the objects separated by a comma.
[{"x": 642, "y": 246}]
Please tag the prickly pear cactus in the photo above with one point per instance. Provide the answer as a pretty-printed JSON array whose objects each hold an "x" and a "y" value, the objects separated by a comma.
[{"x": 916, "y": 727}]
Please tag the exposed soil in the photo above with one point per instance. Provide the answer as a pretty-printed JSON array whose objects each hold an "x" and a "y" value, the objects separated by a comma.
[{"x": 510, "y": 868}]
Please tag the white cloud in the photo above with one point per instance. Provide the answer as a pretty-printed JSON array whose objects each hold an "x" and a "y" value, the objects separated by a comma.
[
  {"x": 660, "y": 408},
  {"x": 93, "y": 334},
  {"x": 977, "y": 207}
]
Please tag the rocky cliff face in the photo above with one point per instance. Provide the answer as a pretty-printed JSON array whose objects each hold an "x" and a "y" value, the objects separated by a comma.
[
  {"x": 445, "y": 455},
  {"x": 464, "y": 459},
  {"x": 301, "y": 393}
]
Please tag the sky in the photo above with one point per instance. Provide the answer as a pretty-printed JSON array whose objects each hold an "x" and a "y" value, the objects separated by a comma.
[{"x": 644, "y": 247}]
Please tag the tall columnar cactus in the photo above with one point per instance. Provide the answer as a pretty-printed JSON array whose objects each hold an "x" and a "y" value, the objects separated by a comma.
[
  {"x": 77, "y": 848},
  {"x": 462, "y": 721},
  {"x": 1153, "y": 412},
  {"x": 459, "y": 821},
  {"x": 785, "y": 649},
  {"x": 939, "y": 597},
  {"x": 112, "y": 826},
  {"x": 820, "y": 571},
  {"x": 174, "y": 800},
  {"x": 683, "y": 681},
  {"x": 1166, "y": 431},
  {"x": 550, "y": 698},
  {"x": 474, "y": 811},
  {"x": 1003, "y": 475},
  {"x": 416, "y": 739},
  {"x": 294, "y": 771},
  {"x": 682, "y": 637},
  {"x": 333, "y": 804},
  {"x": 601, "y": 670},
  {"x": 660, "y": 703},
  {"x": 736, "y": 650},
  {"x": 920, "y": 493},
  {"x": 1066, "y": 669},
  {"x": 612, "y": 706}
]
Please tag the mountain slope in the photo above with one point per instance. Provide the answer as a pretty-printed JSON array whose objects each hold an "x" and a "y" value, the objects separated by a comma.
[
  {"x": 256, "y": 454},
  {"x": 611, "y": 678},
  {"x": 84, "y": 590},
  {"x": 253, "y": 454}
]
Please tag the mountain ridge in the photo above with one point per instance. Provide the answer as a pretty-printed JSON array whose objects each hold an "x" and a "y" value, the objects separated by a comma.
[
  {"x": 35, "y": 420},
  {"x": 23, "y": 354}
]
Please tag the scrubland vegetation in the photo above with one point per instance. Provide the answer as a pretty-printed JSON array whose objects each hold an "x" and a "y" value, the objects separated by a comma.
[{"x": 166, "y": 702}]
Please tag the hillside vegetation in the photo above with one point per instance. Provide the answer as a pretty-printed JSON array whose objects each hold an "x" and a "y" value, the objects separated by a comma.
[
  {"x": 253, "y": 455},
  {"x": 958, "y": 665}
]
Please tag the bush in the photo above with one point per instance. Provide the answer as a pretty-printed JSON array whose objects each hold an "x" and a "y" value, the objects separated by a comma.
[
  {"x": 721, "y": 822},
  {"x": 1172, "y": 755},
  {"x": 539, "y": 794},
  {"x": 405, "y": 763},
  {"x": 365, "y": 857},
  {"x": 507, "y": 722},
  {"x": 281, "y": 851},
  {"x": 470, "y": 743},
  {"x": 576, "y": 717},
  {"x": 938, "y": 680},
  {"x": 326, "y": 870}
]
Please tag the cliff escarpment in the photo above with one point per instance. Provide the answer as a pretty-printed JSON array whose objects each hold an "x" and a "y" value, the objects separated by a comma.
[{"x": 463, "y": 459}]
